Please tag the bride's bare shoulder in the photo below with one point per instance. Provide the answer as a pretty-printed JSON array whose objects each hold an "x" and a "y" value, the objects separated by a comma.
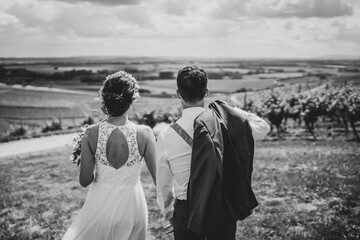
[
  {"x": 93, "y": 128},
  {"x": 144, "y": 137},
  {"x": 143, "y": 132},
  {"x": 91, "y": 133}
]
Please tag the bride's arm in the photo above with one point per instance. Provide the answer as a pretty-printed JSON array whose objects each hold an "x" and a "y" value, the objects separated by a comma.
[
  {"x": 149, "y": 152},
  {"x": 87, "y": 161}
]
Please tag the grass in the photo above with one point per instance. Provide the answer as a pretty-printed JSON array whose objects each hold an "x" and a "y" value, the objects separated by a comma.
[{"x": 306, "y": 190}]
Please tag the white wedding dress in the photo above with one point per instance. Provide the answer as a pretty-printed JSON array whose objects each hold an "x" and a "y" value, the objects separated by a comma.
[{"x": 115, "y": 205}]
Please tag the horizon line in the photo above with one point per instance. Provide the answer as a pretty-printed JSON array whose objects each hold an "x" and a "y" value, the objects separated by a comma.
[{"x": 325, "y": 57}]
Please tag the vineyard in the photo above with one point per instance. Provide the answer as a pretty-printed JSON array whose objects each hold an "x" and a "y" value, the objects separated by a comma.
[
  {"x": 298, "y": 99},
  {"x": 327, "y": 106},
  {"x": 332, "y": 105}
]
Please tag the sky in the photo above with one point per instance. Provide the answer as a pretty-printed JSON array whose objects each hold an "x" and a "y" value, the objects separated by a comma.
[{"x": 174, "y": 28}]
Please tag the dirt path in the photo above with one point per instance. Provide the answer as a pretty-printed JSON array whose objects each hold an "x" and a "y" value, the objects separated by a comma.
[
  {"x": 43, "y": 89},
  {"x": 33, "y": 145}
]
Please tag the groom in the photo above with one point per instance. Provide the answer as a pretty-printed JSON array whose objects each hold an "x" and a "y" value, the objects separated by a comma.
[{"x": 204, "y": 163}]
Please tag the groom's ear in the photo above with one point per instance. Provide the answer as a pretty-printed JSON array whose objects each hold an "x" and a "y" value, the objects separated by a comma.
[
  {"x": 178, "y": 94},
  {"x": 207, "y": 92}
]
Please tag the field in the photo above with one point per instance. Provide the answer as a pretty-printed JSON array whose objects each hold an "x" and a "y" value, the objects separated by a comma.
[
  {"x": 218, "y": 86},
  {"x": 306, "y": 190},
  {"x": 34, "y": 108},
  {"x": 32, "y": 104}
]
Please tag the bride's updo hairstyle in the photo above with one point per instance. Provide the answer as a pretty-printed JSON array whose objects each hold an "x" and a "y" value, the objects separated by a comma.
[{"x": 117, "y": 93}]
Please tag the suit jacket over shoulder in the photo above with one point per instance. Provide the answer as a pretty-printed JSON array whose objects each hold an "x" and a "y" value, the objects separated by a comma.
[{"x": 219, "y": 188}]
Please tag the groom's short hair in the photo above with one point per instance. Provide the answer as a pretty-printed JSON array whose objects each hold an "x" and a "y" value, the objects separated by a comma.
[{"x": 192, "y": 83}]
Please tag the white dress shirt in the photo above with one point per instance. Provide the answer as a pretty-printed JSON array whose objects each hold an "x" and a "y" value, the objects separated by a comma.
[{"x": 174, "y": 157}]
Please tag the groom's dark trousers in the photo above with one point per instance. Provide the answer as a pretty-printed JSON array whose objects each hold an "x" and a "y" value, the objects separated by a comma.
[{"x": 225, "y": 231}]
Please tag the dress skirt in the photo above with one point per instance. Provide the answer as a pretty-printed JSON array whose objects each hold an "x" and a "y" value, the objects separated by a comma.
[{"x": 111, "y": 213}]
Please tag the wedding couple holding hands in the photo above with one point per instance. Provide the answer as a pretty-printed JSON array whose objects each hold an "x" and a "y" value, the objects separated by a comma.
[{"x": 201, "y": 165}]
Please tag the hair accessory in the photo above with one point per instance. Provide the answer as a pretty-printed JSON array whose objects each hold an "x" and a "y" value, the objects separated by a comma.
[
  {"x": 116, "y": 96},
  {"x": 136, "y": 93}
]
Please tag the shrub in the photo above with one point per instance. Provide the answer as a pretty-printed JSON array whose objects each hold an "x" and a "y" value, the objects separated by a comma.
[
  {"x": 53, "y": 125},
  {"x": 17, "y": 132},
  {"x": 88, "y": 121},
  {"x": 14, "y": 134}
]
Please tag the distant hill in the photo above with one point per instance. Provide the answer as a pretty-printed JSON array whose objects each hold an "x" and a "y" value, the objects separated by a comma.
[{"x": 339, "y": 57}]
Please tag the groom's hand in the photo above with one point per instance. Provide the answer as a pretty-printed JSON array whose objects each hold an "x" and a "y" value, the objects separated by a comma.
[
  {"x": 170, "y": 227},
  {"x": 171, "y": 222}
]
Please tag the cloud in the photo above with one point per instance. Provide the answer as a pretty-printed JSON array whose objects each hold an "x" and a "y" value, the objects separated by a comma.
[
  {"x": 349, "y": 34},
  {"x": 103, "y": 2},
  {"x": 345, "y": 31},
  {"x": 169, "y": 27},
  {"x": 7, "y": 19},
  {"x": 236, "y": 9},
  {"x": 303, "y": 9},
  {"x": 288, "y": 25},
  {"x": 175, "y": 7},
  {"x": 59, "y": 19},
  {"x": 233, "y": 9},
  {"x": 32, "y": 14}
]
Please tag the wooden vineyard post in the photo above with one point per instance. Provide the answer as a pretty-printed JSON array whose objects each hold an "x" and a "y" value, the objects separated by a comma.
[
  {"x": 21, "y": 121},
  {"x": 74, "y": 125},
  {"x": 244, "y": 107}
]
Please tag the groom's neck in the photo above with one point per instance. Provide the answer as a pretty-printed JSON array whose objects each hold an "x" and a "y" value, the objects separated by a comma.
[{"x": 191, "y": 105}]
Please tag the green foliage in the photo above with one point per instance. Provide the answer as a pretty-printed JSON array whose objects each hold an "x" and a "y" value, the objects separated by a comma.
[
  {"x": 224, "y": 74},
  {"x": 151, "y": 118},
  {"x": 17, "y": 132},
  {"x": 330, "y": 102},
  {"x": 88, "y": 121},
  {"x": 243, "y": 89},
  {"x": 52, "y": 125},
  {"x": 25, "y": 76}
]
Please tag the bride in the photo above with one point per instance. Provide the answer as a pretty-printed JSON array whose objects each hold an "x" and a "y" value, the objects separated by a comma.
[{"x": 111, "y": 160}]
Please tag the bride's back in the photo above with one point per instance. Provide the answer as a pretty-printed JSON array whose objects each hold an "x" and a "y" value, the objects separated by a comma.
[
  {"x": 117, "y": 150},
  {"x": 117, "y": 156}
]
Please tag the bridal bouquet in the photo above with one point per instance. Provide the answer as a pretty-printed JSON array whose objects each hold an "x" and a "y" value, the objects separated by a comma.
[{"x": 76, "y": 144}]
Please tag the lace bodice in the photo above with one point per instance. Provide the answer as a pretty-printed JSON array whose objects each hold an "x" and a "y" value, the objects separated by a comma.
[{"x": 128, "y": 174}]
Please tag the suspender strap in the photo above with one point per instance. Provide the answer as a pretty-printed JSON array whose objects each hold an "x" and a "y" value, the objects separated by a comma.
[{"x": 182, "y": 133}]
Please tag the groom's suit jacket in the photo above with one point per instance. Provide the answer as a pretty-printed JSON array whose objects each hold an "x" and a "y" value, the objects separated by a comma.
[{"x": 219, "y": 189}]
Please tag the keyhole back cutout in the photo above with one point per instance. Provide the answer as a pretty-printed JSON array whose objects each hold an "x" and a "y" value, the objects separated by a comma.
[{"x": 117, "y": 149}]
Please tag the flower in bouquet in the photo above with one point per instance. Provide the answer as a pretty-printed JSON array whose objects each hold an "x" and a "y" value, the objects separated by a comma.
[{"x": 76, "y": 142}]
